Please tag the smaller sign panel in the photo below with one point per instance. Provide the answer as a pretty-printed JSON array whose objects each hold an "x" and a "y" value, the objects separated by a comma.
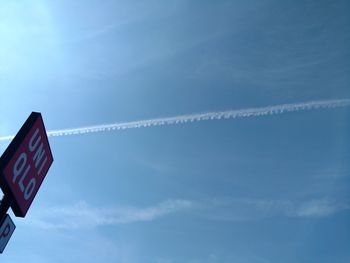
[
  {"x": 6, "y": 230},
  {"x": 25, "y": 164}
]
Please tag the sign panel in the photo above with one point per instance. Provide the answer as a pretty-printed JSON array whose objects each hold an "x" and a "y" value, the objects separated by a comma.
[
  {"x": 6, "y": 229},
  {"x": 25, "y": 164}
]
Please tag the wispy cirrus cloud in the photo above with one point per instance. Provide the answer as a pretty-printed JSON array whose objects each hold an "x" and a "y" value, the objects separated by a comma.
[
  {"x": 319, "y": 208},
  {"x": 255, "y": 209},
  {"x": 83, "y": 215}
]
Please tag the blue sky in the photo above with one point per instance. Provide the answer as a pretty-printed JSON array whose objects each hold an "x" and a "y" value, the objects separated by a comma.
[{"x": 258, "y": 190}]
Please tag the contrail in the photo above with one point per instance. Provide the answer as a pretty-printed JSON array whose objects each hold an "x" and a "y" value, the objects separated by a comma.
[{"x": 216, "y": 115}]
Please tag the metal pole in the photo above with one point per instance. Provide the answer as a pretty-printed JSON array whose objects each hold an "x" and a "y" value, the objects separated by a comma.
[{"x": 4, "y": 206}]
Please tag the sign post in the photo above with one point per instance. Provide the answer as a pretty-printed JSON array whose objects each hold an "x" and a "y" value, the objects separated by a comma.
[{"x": 23, "y": 167}]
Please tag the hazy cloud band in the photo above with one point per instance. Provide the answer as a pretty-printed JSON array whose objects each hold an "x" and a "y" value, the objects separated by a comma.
[
  {"x": 84, "y": 215},
  {"x": 216, "y": 115}
]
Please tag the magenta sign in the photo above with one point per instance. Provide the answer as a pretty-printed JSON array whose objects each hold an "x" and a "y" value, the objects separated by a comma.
[{"x": 25, "y": 164}]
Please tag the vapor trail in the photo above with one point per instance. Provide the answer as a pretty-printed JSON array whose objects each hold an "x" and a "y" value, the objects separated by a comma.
[{"x": 216, "y": 115}]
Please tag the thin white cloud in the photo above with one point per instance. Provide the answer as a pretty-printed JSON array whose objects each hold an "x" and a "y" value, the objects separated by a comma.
[
  {"x": 318, "y": 208},
  {"x": 217, "y": 115},
  {"x": 83, "y": 215},
  {"x": 255, "y": 209}
]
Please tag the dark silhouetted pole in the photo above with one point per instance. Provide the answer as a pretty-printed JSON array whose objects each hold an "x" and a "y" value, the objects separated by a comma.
[{"x": 4, "y": 206}]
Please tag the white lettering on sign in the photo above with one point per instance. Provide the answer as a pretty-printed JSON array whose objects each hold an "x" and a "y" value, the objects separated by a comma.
[
  {"x": 19, "y": 165},
  {"x": 6, "y": 230},
  {"x": 22, "y": 166}
]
